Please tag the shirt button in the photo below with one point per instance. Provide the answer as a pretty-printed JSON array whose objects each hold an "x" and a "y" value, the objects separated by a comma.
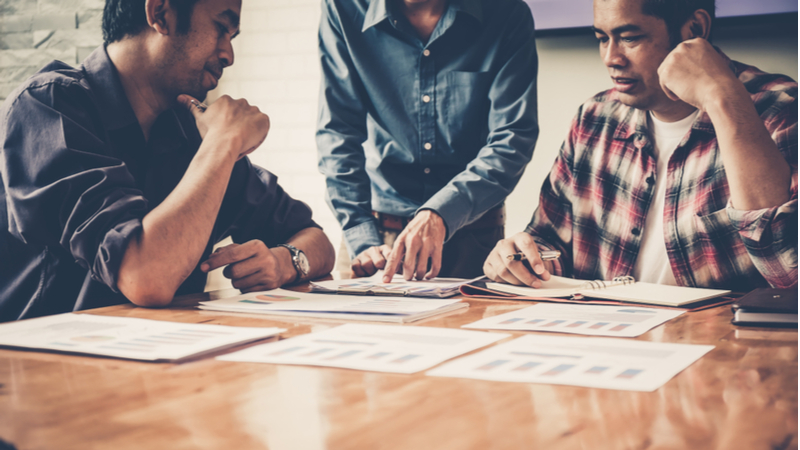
[
  {"x": 426, "y": 52},
  {"x": 426, "y": 98},
  {"x": 428, "y": 146},
  {"x": 635, "y": 232},
  {"x": 427, "y": 170}
]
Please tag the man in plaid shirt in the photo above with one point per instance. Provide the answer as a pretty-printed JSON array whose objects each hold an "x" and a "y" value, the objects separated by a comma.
[{"x": 684, "y": 173}]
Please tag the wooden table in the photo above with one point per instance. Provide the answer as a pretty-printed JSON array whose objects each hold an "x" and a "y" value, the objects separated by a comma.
[{"x": 741, "y": 395}]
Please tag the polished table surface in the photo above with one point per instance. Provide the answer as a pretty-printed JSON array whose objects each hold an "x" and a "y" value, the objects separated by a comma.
[{"x": 741, "y": 395}]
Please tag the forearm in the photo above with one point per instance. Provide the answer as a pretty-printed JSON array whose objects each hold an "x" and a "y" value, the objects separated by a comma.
[
  {"x": 758, "y": 175},
  {"x": 318, "y": 249},
  {"x": 176, "y": 233}
]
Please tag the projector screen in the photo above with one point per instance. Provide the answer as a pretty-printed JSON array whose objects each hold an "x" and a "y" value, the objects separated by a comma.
[{"x": 555, "y": 14}]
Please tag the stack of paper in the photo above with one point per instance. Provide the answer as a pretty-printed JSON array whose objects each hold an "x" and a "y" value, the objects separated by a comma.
[
  {"x": 374, "y": 285},
  {"x": 125, "y": 337},
  {"x": 380, "y": 348},
  {"x": 345, "y": 307},
  {"x": 591, "y": 362}
]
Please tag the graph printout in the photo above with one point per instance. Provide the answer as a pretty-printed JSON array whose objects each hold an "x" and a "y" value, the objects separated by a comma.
[
  {"x": 436, "y": 287},
  {"x": 125, "y": 337},
  {"x": 592, "y": 320},
  {"x": 577, "y": 361},
  {"x": 378, "y": 348},
  {"x": 353, "y": 307}
]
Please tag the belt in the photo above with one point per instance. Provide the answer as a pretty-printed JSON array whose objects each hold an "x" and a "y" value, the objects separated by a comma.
[{"x": 495, "y": 217}]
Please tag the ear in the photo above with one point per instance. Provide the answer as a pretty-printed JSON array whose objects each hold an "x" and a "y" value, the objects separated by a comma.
[
  {"x": 697, "y": 26},
  {"x": 159, "y": 16}
]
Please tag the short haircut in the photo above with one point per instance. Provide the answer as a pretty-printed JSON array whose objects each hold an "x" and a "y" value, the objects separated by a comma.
[
  {"x": 123, "y": 18},
  {"x": 675, "y": 13}
]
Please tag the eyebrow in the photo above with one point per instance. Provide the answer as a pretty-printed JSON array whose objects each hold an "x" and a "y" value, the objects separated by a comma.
[
  {"x": 620, "y": 29},
  {"x": 232, "y": 18}
]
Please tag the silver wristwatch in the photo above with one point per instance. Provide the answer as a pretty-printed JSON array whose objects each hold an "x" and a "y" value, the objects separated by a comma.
[{"x": 299, "y": 260}]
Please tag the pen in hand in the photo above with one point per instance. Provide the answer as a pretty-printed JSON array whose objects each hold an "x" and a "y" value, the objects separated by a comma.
[{"x": 546, "y": 256}]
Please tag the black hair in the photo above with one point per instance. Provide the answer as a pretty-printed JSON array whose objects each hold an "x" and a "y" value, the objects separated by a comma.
[
  {"x": 675, "y": 13},
  {"x": 123, "y": 18}
]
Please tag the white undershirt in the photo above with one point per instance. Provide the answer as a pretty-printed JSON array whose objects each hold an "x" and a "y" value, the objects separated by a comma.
[{"x": 652, "y": 265}]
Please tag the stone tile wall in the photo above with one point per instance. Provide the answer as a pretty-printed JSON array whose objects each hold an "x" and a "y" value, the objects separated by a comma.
[{"x": 35, "y": 32}]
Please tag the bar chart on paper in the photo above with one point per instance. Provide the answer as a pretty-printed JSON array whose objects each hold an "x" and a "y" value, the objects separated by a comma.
[
  {"x": 378, "y": 348},
  {"x": 591, "y": 362},
  {"x": 126, "y": 337},
  {"x": 592, "y": 320}
]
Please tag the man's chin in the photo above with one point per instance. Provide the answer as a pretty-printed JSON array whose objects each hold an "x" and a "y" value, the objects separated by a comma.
[{"x": 634, "y": 101}]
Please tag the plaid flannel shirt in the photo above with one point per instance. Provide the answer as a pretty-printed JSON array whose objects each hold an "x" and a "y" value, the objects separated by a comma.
[{"x": 594, "y": 203}]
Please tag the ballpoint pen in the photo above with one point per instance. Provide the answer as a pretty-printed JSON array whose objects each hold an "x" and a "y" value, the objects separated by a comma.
[{"x": 546, "y": 256}]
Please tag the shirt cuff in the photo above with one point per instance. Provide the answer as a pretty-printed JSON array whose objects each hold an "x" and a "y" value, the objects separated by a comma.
[
  {"x": 752, "y": 224},
  {"x": 108, "y": 259},
  {"x": 362, "y": 237},
  {"x": 451, "y": 207}
]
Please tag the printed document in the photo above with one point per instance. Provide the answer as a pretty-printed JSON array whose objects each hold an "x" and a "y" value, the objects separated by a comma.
[
  {"x": 374, "y": 285},
  {"x": 346, "y": 307},
  {"x": 591, "y": 320},
  {"x": 378, "y": 348},
  {"x": 604, "y": 363},
  {"x": 126, "y": 337}
]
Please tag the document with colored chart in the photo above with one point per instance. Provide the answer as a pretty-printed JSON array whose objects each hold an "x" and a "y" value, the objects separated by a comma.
[
  {"x": 126, "y": 337},
  {"x": 604, "y": 363},
  {"x": 374, "y": 285},
  {"x": 592, "y": 320},
  {"x": 378, "y": 348},
  {"x": 281, "y": 302}
]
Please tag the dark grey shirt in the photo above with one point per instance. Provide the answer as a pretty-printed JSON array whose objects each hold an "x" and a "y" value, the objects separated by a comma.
[{"x": 78, "y": 177}]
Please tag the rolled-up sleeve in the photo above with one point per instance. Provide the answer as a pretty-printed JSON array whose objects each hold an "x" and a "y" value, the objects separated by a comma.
[
  {"x": 63, "y": 186},
  {"x": 770, "y": 234}
]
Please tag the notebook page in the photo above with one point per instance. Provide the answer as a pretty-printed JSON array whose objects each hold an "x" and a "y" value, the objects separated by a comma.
[
  {"x": 554, "y": 287},
  {"x": 655, "y": 294}
]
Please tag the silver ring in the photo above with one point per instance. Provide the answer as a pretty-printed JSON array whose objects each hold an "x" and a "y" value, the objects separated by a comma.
[{"x": 201, "y": 106}]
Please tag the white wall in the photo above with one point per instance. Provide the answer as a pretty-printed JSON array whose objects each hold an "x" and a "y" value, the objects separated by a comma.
[{"x": 276, "y": 69}]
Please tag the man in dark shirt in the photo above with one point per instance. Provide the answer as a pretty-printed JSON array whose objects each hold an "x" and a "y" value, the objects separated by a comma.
[{"x": 117, "y": 182}]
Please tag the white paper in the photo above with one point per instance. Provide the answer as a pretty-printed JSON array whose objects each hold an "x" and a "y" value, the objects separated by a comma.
[
  {"x": 577, "y": 361},
  {"x": 553, "y": 288},
  {"x": 590, "y": 320},
  {"x": 125, "y": 337},
  {"x": 378, "y": 348},
  {"x": 436, "y": 287},
  {"x": 357, "y": 307}
]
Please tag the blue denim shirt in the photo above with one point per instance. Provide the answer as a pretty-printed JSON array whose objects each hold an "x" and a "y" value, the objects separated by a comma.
[{"x": 404, "y": 125}]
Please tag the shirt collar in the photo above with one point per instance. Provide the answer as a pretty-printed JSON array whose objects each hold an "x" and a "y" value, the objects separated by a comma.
[
  {"x": 471, "y": 7},
  {"x": 380, "y": 10},
  {"x": 107, "y": 89}
]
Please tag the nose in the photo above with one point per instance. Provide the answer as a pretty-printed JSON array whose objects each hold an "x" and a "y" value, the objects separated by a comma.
[
  {"x": 612, "y": 55},
  {"x": 226, "y": 53}
]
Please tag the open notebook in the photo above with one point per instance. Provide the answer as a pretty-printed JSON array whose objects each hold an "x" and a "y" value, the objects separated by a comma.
[{"x": 622, "y": 289}]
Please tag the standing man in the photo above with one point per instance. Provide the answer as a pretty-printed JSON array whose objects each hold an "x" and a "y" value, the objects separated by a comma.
[
  {"x": 427, "y": 120},
  {"x": 684, "y": 173},
  {"x": 117, "y": 181}
]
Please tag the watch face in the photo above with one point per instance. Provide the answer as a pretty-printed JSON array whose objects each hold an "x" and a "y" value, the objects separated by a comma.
[{"x": 302, "y": 263}]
